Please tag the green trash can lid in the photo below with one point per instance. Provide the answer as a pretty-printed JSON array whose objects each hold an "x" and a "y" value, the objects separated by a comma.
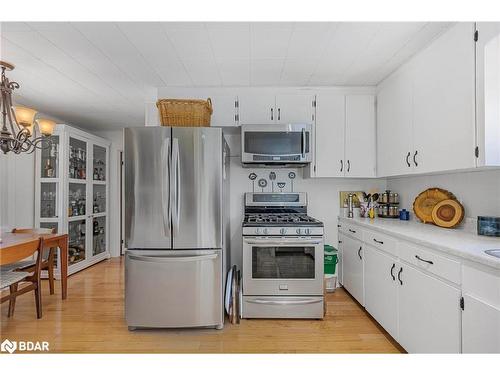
[{"x": 329, "y": 249}]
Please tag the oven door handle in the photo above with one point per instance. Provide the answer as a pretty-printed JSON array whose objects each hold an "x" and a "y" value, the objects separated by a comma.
[
  {"x": 285, "y": 302},
  {"x": 267, "y": 242}
]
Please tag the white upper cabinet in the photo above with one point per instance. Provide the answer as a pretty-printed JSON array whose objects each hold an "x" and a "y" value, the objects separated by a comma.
[
  {"x": 443, "y": 103},
  {"x": 395, "y": 124},
  {"x": 329, "y": 135},
  {"x": 257, "y": 108},
  {"x": 488, "y": 93},
  {"x": 224, "y": 110},
  {"x": 359, "y": 136},
  {"x": 426, "y": 109},
  {"x": 294, "y": 109},
  {"x": 344, "y": 136}
]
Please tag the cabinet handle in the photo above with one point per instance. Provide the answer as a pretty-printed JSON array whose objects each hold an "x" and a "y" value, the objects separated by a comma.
[
  {"x": 399, "y": 275},
  {"x": 392, "y": 269},
  {"x": 377, "y": 241},
  {"x": 272, "y": 115},
  {"x": 359, "y": 252},
  {"x": 415, "y": 158},
  {"x": 348, "y": 165},
  {"x": 279, "y": 114},
  {"x": 339, "y": 226},
  {"x": 341, "y": 165},
  {"x": 340, "y": 241},
  {"x": 423, "y": 260},
  {"x": 351, "y": 230},
  {"x": 407, "y": 159}
]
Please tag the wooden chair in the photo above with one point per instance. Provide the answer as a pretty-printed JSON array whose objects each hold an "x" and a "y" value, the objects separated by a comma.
[
  {"x": 47, "y": 262},
  {"x": 12, "y": 279}
]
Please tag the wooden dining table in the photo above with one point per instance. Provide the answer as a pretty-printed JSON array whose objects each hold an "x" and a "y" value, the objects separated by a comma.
[{"x": 12, "y": 250}]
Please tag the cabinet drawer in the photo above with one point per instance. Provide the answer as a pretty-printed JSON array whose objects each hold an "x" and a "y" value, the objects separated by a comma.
[
  {"x": 352, "y": 230},
  {"x": 446, "y": 268},
  {"x": 482, "y": 283},
  {"x": 381, "y": 241}
]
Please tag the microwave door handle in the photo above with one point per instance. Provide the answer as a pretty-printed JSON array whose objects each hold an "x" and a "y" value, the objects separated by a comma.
[
  {"x": 165, "y": 189},
  {"x": 303, "y": 143}
]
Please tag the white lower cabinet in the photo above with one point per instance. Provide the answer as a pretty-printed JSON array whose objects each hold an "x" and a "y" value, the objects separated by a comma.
[
  {"x": 480, "y": 327},
  {"x": 429, "y": 313},
  {"x": 352, "y": 275},
  {"x": 340, "y": 265},
  {"x": 481, "y": 310},
  {"x": 381, "y": 289}
]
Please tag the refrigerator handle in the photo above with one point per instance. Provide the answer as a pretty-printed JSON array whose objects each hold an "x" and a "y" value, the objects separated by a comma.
[
  {"x": 177, "y": 170},
  {"x": 165, "y": 191}
]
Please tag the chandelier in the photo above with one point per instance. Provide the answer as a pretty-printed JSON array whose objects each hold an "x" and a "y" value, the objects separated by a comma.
[{"x": 18, "y": 123}]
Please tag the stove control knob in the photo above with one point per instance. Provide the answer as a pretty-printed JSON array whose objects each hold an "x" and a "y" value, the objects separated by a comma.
[
  {"x": 308, "y": 231},
  {"x": 298, "y": 231},
  {"x": 283, "y": 231},
  {"x": 257, "y": 231},
  {"x": 265, "y": 231}
]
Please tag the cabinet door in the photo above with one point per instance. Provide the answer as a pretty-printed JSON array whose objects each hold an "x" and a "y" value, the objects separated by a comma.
[
  {"x": 381, "y": 291},
  {"x": 360, "y": 136},
  {"x": 429, "y": 313},
  {"x": 488, "y": 93},
  {"x": 444, "y": 114},
  {"x": 394, "y": 124},
  {"x": 329, "y": 135},
  {"x": 294, "y": 109},
  {"x": 340, "y": 265},
  {"x": 257, "y": 109},
  {"x": 352, "y": 255},
  {"x": 480, "y": 327},
  {"x": 100, "y": 199},
  {"x": 224, "y": 110}
]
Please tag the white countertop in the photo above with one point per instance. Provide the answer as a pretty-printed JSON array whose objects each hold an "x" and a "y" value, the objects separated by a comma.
[{"x": 455, "y": 242}]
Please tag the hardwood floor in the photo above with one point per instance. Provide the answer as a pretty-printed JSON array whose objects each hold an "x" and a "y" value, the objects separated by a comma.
[{"x": 91, "y": 320}]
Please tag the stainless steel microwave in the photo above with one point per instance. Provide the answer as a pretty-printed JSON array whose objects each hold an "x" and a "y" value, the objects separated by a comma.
[{"x": 276, "y": 144}]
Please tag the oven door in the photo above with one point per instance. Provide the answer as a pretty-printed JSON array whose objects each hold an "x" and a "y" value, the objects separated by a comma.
[
  {"x": 282, "y": 266},
  {"x": 270, "y": 144}
]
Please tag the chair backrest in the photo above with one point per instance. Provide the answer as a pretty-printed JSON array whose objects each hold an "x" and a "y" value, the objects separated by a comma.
[
  {"x": 35, "y": 230},
  {"x": 26, "y": 249}
]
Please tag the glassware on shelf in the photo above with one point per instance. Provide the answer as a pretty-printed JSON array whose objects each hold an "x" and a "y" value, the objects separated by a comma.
[
  {"x": 99, "y": 237},
  {"x": 76, "y": 248},
  {"x": 48, "y": 200},
  {"x": 49, "y": 159}
]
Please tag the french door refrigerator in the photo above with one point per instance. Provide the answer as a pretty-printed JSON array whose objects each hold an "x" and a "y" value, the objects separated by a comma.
[{"x": 176, "y": 229}]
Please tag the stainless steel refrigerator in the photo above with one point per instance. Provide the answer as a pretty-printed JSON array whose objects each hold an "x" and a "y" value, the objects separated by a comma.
[{"x": 176, "y": 226}]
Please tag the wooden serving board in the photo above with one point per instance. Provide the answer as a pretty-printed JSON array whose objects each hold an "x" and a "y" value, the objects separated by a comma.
[
  {"x": 426, "y": 200},
  {"x": 448, "y": 213}
]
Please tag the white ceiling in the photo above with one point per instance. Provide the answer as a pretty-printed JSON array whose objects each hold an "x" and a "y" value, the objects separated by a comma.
[{"x": 98, "y": 75}]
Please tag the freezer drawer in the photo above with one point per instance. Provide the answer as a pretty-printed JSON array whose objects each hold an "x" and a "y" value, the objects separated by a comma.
[{"x": 169, "y": 288}]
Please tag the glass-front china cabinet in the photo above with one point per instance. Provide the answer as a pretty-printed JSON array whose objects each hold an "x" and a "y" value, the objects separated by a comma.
[{"x": 72, "y": 194}]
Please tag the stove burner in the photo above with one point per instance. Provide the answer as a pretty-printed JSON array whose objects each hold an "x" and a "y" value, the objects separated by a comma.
[{"x": 279, "y": 219}]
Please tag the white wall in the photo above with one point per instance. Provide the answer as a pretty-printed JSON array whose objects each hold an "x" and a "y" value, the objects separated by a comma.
[
  {"x": 17, "y": 190},
  {"x": 478, "y": 191},
  {"x": 116, "y": 138}
]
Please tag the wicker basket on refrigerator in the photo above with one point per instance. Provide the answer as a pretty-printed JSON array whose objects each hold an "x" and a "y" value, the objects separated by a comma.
[{"x": 184, "y": 112}]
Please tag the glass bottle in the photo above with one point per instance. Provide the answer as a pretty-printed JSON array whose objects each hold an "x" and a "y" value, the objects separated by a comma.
[{"x": 48, "y": 170}]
